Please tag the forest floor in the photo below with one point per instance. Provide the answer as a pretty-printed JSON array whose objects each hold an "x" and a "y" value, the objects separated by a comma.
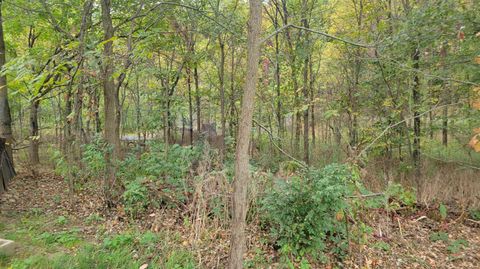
[{"x": 40, "y": 214}]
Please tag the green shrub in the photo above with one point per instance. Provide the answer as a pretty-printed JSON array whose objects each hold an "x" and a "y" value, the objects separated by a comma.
[
  {"x": 94, "y": 157},
  {"x": 397, "y": 196},
  {"x": 168, "y": 171},
  {"x": 305, "y": 212},
  {"x": 135, "y": 197}
]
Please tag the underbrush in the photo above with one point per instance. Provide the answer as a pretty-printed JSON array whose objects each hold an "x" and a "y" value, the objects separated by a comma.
[
  {"x": 307, "y": 212},
  {"x": 308, "y": 217}
]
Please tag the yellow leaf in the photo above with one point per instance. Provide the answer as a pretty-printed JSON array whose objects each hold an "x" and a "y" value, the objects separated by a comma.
[
  {"x": 475, "y": 143},
  {"x": 476, "y": 130},
  {"x": 477, "y": 59}
]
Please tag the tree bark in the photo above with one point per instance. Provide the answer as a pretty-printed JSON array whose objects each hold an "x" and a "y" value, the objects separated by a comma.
[
  {"x": 305, "y": 90},
  {"x": 242, "y": 176},
  {"x": 221, "y": 77},
  {"x": 197, "y": 97},
  {"x": 78, "y": 100},
  {"x": 5, "y": 116},
  {"x": 416, "y": 107},
  {"x": 190, "y": 104},
  {"x": 110, "y": 95},
  {"x": 233, "y": 120},
  {"x": 34, "y": 133}
]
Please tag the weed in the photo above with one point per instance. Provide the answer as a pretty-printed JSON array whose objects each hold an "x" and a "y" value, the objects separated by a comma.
[
  {"x": 381, "y": 245},
  {"x": 475, "y": 214},
  {"x": 135, "y": 197},
  {"x": 65, "y": 238},
  {"x": 442, "y": 209},
  {"x": 61, "y": 220},
  {"x": 302, "y": 212},
  {"x": 439, "y": 236},
  {"x": 92, "y": 218},
  {"x": 457, "y": 245}
]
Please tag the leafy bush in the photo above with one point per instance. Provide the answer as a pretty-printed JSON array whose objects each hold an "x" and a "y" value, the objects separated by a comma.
[
  {"x": 166, "y": 171},
  {"x": 307, "y": 211},
  {"x": 398, "y": 196},
  {"x": 135, "y": 197},
  {"x": 94, "y": 157}
]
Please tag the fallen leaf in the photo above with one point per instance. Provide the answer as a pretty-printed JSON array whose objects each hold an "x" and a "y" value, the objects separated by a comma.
[{"x": 144, "y": 266}]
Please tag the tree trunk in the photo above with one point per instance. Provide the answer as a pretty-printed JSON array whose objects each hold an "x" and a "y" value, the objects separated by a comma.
[
  {"x": 110, "y": 96},
  {"x": 233, "y": 120},
  {"x": 242, "y": 176},
  {"x": 78, "y": 100},
  {"x": 5, "y": 117},
  {"x": 305, "y": 90},
  {"x": 190, "y": 104},
  {"x": 277, "y": 78},
  {"x": 312, "y": 103},
  {"x": 197, "y": 97},
  {"x": 68, "y": 123},
  {"x": 221, "y": 77},
  {"x": 306, "y": 149},
  {"x": 34, "y": 133},
  {"x": 416, "y": 114}
]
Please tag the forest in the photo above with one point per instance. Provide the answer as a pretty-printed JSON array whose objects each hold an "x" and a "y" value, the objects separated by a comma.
[{"x": 239, "y": 134}]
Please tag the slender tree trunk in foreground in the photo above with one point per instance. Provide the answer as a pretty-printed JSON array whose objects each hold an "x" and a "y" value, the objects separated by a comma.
[
  {"x": 110, "y": 95},
  {"x": 5, "y": 117},
  {"x": 242, "y": 176}
]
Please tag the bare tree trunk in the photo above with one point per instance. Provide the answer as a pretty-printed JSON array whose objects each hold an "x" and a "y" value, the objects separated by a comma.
[
  {"x": 306, "y": 149},
  {"x": 66, "y": 143},
  {"x": 34, "y": 133},
  {"x": 197, "y": 97},
  {"x": 5, "y": 117},
  {"x": 78, "y": 100},
  {"x": 221, "y": 77},
  {"x": 305, "y": 90},
  {"x": 312, "y": 104},
  {"x": 445, "y": 126},
  {"x": 110, "y": 95},
  {"x": 416, "y": 114},
  {"x": 277, "y": 77},
  {"x": 233, "y": 120},
  {"x": 190, "y": 105},
  {"x": 242, "y": 176}
]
